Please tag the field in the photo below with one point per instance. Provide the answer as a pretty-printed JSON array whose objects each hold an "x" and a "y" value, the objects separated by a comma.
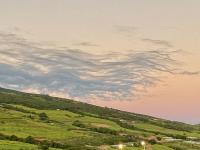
[{"x": 31, "y": 122}]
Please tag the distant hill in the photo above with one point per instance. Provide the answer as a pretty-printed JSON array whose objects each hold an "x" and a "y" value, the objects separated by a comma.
[{"x": 33, "y": 121}]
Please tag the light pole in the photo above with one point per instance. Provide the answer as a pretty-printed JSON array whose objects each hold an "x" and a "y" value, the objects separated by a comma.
[{"x": 143, "y": 144}]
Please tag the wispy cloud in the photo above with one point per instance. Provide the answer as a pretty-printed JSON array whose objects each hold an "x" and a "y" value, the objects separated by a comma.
[
  {"x": 189, "y": 72},
  {"x": 87, "y": 44},
  {"x": 158, "y": 42},
  {"x": 126, "y": 30},
  {"x": 29, "y": 66}
]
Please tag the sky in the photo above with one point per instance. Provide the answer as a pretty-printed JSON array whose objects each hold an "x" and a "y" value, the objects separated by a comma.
[{"x": 139, "y": 56}]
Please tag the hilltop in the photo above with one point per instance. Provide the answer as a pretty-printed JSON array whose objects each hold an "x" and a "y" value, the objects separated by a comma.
[{"x": 34, "y": 121}]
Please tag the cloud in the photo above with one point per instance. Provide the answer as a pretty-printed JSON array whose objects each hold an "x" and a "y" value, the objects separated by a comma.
[
  {"x": 126, "y": 30},
  {"x": 189, "y": 72},
  {"x": 87, "y": 44},
  {"x": 73, "y": 73},
  {"x": 158, "y": 42}
]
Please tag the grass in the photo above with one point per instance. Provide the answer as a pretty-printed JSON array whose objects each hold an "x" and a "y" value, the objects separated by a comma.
[
  {"x": 21, "y": 125},
  {"x": 12, "y": 145},
  {"x": 60, "y": 127},
  {"x": 160, "y": 147},
  {"x": 21, "y": 118},
  {"x": 155, "y": 128}
]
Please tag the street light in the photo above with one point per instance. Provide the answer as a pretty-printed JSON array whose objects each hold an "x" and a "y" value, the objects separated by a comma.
[
  {"x": 143, "y": 144},
  {"x": 120, "y": 146}
]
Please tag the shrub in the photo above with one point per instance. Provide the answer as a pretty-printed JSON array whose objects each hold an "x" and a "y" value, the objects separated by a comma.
[
  {"x": 13, "y": 138},
  {"x": 152, "y": 141},
  {"x": 43, "y": 116},
  {"x": 78, "y": 124},
  {"x": 30, "y": 140}
]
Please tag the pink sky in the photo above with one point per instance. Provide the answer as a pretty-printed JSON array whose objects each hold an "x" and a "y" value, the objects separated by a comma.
[
  {"x": 178, "y": 100},
  {"x": 82, "y": 30}
]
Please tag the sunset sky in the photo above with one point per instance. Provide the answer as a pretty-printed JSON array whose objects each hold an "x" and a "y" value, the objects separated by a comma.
[{"x": 141, "y": 56}]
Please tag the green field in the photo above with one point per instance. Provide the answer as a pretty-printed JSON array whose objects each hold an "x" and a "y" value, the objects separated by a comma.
[
  {"x": 13, "y": 145},
  {"x": 31, "y": 122}
]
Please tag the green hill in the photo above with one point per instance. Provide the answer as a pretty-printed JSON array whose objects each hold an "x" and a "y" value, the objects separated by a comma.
[{"x": 32, "y": 121}]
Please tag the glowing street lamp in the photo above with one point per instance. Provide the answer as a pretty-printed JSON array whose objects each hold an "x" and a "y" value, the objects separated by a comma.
[
  {"x": 120, "y": 146},
  {"x": 143, "y": 144}
]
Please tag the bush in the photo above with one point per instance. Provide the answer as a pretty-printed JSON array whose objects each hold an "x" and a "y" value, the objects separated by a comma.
[
  {"x": 152, "y": 141},
  {"x": 159, "y": 138},
  {"x": 78, "y": 124},
  {"x": 43, "y": 116},
  {"x": 30, "y": 140},
  {"x": 13, "y": 138}
]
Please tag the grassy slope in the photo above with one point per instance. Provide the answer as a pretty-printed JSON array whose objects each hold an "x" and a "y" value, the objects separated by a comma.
[
  {"x": 13, "y": 145},
  {"x": 24, "y": 121}
]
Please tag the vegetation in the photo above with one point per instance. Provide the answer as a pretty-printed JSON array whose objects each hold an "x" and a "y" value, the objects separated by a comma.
[{"x": 32, "y": 121}]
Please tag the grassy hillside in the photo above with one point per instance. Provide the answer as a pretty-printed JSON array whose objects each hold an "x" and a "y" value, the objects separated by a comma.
[{"x": 31, "y": 121}]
